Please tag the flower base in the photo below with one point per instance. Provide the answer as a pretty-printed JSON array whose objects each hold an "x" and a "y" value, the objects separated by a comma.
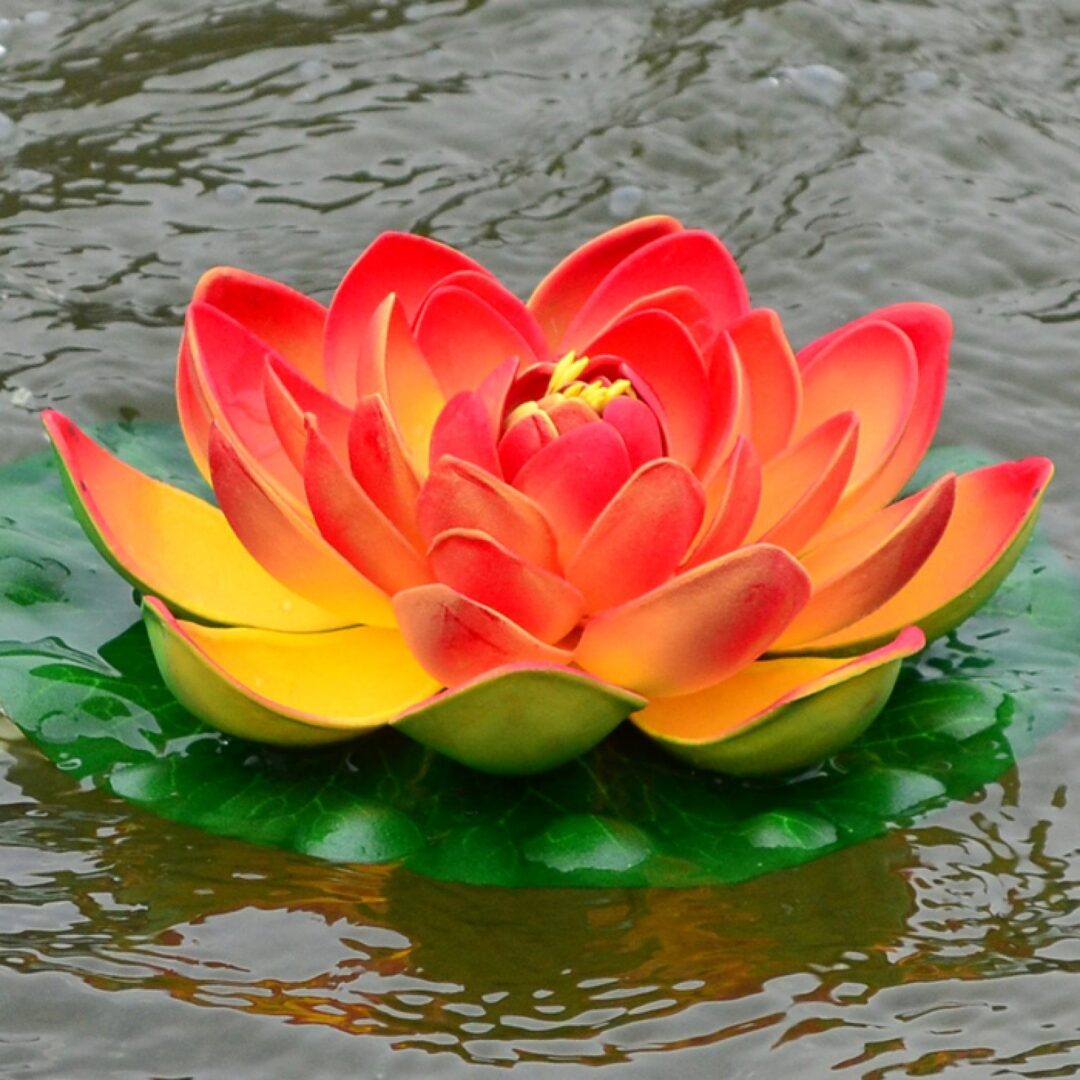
[{"x": 77, "y": 676}]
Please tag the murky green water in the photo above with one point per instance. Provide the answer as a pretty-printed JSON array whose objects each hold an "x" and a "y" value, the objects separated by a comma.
[{"x": 936, "y": 155}]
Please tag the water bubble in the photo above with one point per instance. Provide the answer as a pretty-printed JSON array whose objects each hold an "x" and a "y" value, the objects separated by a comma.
[
  {"x": 625, "y": 200},
  {"x": 21, "y": 396},
  {"x": 3, "y": 51},
  {"x": 309, "y": 70},
  {"x": 921, "y": 81},
  {"x": 231, "y": 194},
  {"x": 5, "y": 27},
  {"x": 819, "y": 83},
  {"x": 29, "y": 179},
  {"x": 7, "y": 127},
  {"x": 37, "y": 18}
]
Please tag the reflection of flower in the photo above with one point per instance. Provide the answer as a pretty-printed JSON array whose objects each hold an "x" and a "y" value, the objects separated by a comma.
[{"x": 504, "y": 527}]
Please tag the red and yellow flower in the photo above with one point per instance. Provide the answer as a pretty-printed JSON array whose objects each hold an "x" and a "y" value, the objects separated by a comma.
[{"x": 503, "y": 528}]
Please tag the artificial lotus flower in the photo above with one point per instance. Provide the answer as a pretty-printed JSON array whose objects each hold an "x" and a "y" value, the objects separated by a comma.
[{"x": 504, "y": 527}]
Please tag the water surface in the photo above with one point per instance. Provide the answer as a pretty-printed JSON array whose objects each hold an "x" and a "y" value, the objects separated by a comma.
[{"x": 852, "y": 154}]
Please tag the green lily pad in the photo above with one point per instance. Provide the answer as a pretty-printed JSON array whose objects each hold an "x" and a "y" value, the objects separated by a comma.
[{"x": 77, "y": 675}]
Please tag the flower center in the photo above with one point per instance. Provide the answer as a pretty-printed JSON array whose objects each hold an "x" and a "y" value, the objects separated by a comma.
[{"x": 566, "y": 384}]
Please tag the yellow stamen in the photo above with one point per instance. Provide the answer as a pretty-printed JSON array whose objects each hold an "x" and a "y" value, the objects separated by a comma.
[
  {"x": 526, "y": 408},
  {"x": 567, "y": 371}
]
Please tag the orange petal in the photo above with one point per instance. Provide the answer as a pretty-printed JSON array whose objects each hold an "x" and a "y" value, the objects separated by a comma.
[
  {"x": 475, "y": 565},
  {"x": 379, "y": 462},
  {"x": 289, "y": 397},
  {"x": 870, "y": 371},
  {"x": 457, "y": 639},
  {"x": 699, "y": 627},
  {"x": 854, "y": 574},
  {"x": 288, "y": 546},
  {"x": 288, "y": 322},
  {"x": 352, "y": 523},
  {"x": 640, "y": 536},
  {"x": 573, "y": 478},
  {"x": 464, "y": 338},
  {"x": 287, "y": 689},
  {"x": 394, "y": 367},
  {"x": 171, "y": 544},
  {"x": 772, "y": 388},
  {"x": 992, "y": 520},
  {"x": 460, "y": 495},
  {"x": 801, "y": 486},
  {"x": 929, "y": 329},
  {"x": 464, "y": 430},
  {"x": 661, "y": 351},
  {"x": 192, "y": 407},
  {"x": 228, "y": 365},
  {"x": 557, "y": 299},
  {"x": 394, "y": 263},
  {"x": 690, "y": 257},
  {"x": 779, "y": 715},
  {"x": 732, "y": 496}
]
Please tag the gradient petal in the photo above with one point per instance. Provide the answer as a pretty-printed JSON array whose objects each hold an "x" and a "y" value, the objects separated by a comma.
[
  {"x": 726, "y": 396},
  {"x": 393, "y": 263},
  {"x": 289, "y": 397},
  {"x": 475, "y": 565},
  {"x": 732, "y": 497},
  {"x": 287, "y": 689},
  {"x": 661, "y": 351},
  {"x": 698, "y": 628},
  {"x": 869, "y": 370},
  {"x": 521, "y": 719},
  {"x": 856, "y": 573},
  {"x": 288, "y": 546},
  {"x": 381, "y": 465},
  {"x": 640, "y": 536},
  {"x": 772, "y": 388},
  {"x": 929, "y": 329},
  {"x": 464, "y": 430},
  {"x": 559, "y": 297},
  {"x": 691, "y": 257},
  {"x": 461, "y": 495},
  {"x": 353, "y": 525},
  {"x": 573, "y": 478},
  {"x": 163, "y": 540},
  {"x": 991, "y": 522},
  {"x": 779, "y": 715},
  {"x": 456, "y": 638},
  {"x": 801, "y": 486},
  {"x": 395, "y": 368}
]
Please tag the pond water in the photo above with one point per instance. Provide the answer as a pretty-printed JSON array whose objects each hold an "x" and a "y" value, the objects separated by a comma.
[{"x": 851, "y": 153}]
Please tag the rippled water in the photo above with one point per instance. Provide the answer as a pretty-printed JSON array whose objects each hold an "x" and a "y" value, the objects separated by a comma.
[{"x": 851, "y": 153}]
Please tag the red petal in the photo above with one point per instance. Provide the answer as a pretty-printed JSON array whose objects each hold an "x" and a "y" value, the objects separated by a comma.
[
  {"x": 288, "y": 322},
  {"x": 773, "y": 390},
  {"x": 699, "y": 627},
  {"x": 641, "y": 535},
  {"x": 456, "y": 639},
  {"x": 574, "y": 478},
  {"x": 381, "y": 466},
  {"x": 662, "y": 352},
  {"x": 727, "y": 391},
  {"x": 289, "y": 396},
  {"x": 523, "y": 440},
  {"x": 639, "y": 428},
  {"x": 692, "y": 257},
  {"x": 464, "y": 430},
  {"x": 473, "y": 564},
  {"x": 497, "y": 296},
  {"x": 394, "y": 263},
  {"x": 459, "y": 495},
  {"x": 561, "y": 294},
  {"x": 354, "y": 526}
]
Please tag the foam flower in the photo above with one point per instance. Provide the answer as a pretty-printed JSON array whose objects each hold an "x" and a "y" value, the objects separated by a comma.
[{"x": 504, "y": 527}]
